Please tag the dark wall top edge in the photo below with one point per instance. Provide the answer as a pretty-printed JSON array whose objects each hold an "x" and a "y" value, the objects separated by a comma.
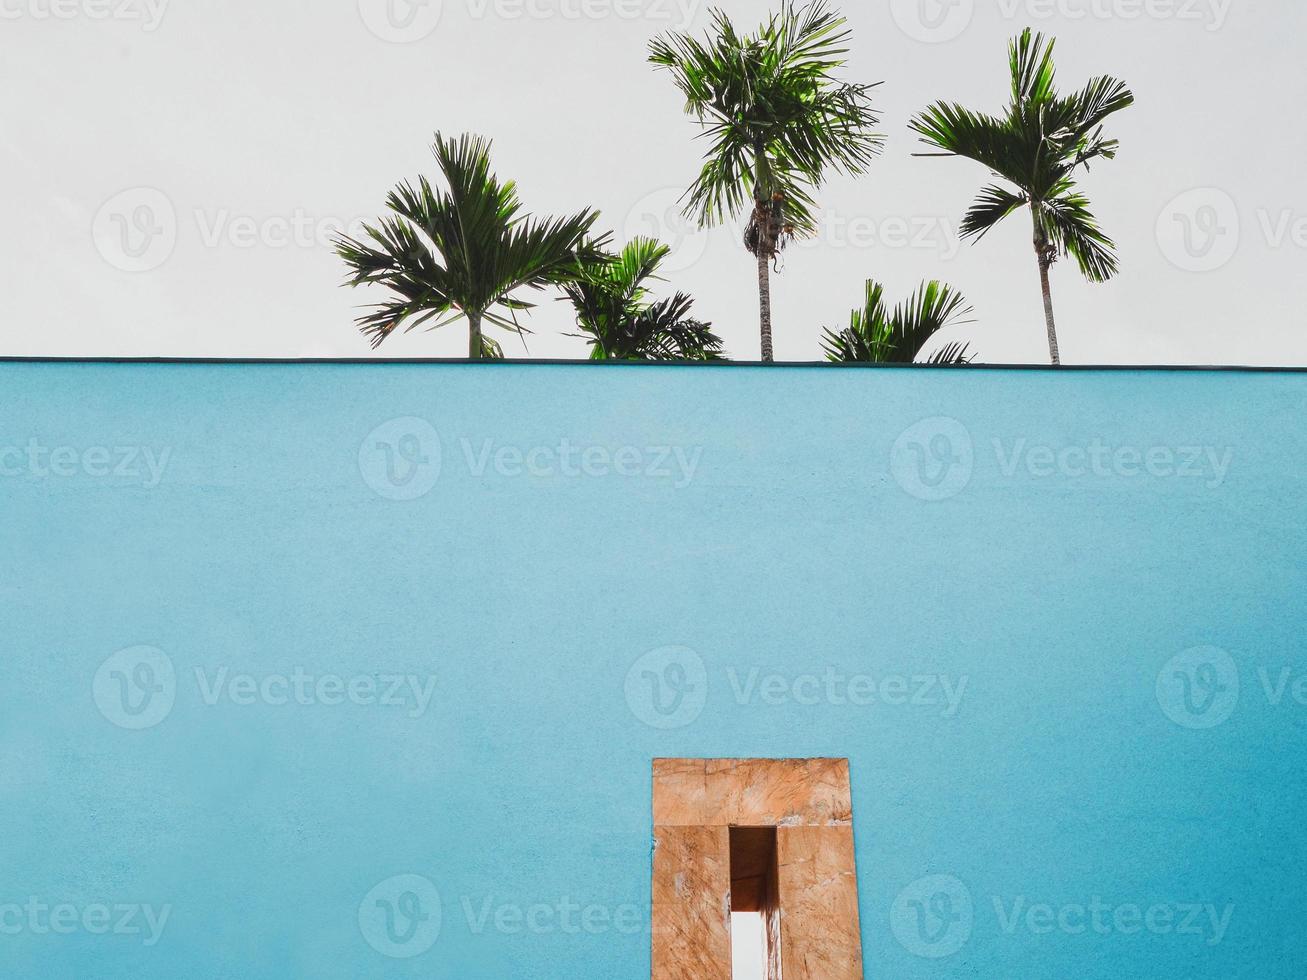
[{"x": 713, "y": 366}]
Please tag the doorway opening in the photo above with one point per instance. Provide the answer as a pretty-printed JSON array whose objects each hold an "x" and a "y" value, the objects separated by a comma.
[
  {"x": 758, "y": 847},
  {"x": 755, "y": 904}
]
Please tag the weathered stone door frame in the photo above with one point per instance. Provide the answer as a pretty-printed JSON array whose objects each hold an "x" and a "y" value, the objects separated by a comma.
[{"x": 809, "y": 897}]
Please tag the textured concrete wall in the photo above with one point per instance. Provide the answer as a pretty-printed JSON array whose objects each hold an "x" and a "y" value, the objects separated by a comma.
[{"x": 342, "y": 671}]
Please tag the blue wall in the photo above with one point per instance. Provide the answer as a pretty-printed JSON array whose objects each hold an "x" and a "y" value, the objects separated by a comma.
[{"x": 1067, "y": 667}]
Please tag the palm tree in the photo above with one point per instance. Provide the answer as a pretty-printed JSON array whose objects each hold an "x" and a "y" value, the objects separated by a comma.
[
  {"x": 461, "y": 252},
  {"x": 614, "y": 314},
  {"x": 878, "y": 335},
  {"x": 778, "y": 120},
  {"x": 1037, "y": 146}
]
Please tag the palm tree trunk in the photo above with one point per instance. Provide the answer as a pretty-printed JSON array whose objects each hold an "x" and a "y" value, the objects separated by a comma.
[
  {"x": 1045, "y": 263},
  {"x": 476, "y": 349},
  {"x": 1053, "y": 352},
  {"x": 762, "y": 193}
]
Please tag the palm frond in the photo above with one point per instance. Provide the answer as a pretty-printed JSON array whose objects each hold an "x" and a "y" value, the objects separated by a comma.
[
  {"x": 610, "y": 298},
  {"x": 1079, "y": 120},
  {"x": 935, "y": 306},
  {"x": 992, "y": 205},
  {"x": 951, "y": 355},
  {"x": 1031, "y": 59},
  {"x": 775, "y": 116},
  {"x": 1036, "y": 146},
  {"x": 879, "y": 335},
  {"x": 1072, "y": 228},
  {"x": 955, "y": 130},
  {"x": 665, "y": 331},
  {"x": 465, "y": 248}
]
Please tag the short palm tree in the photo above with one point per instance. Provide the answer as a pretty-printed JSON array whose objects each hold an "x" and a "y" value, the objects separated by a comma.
[
  {"x": 461, "y": 252},
  {"x": 778, "y": 120},
  {"x": 1037, "y": 146},
  {"x": 614, "y": 313},
  {"x": 879, "y": 335}
]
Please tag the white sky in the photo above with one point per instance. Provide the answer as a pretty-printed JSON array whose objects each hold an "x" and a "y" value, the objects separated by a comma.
[
  {"x": 748, "y": 946},
  {"x": 244, "y": 131}
]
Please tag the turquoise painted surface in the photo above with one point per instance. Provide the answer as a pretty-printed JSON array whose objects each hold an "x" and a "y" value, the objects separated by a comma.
[{"x": 395, "y": 719}]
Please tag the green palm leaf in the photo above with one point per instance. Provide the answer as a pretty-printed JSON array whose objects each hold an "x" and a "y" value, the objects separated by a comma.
[
  {"x": 462, "y": 251},
  {"x": 1072, "y": 229},
  {"x": 992, "y": 206},
  {"x": 1036, "y": 145},
  {"x": 879, "y": 335},
  {"x": 776, "y": 119},
  {"x": 610, "y": 298}
]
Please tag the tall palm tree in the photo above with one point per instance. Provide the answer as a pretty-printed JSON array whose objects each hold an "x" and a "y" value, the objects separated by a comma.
[
  {"x": 1037, "y": 146},
  {"x": 614, "y": 313},
  {"x": 879, "y": 335},
  {"x": 461, "y": 252},
  {"x": 778, "y": 120}
]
